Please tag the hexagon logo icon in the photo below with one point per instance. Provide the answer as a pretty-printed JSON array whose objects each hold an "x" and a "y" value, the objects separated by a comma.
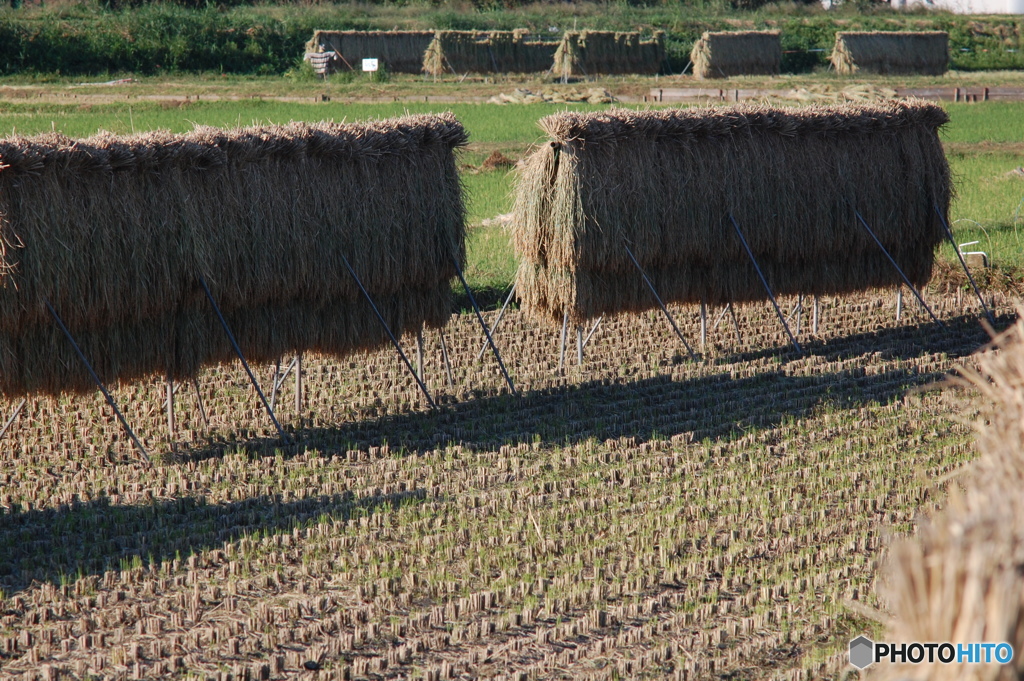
[{"x": 862, "y": 652}]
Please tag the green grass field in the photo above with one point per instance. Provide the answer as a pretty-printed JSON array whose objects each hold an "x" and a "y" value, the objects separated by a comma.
[{"x": 985, "y": 144}]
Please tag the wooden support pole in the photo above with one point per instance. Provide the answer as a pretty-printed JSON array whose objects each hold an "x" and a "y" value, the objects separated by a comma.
[
  {"x": 899, "y": 303},
  {"x": 579, "y": 346}
]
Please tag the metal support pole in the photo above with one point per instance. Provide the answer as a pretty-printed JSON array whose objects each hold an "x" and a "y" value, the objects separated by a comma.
[
  {"x": 960, "y": 256},
  {"x": 764, "y": 281},
  {"x": 664, "y": 309},
  {"x": 719, "y": 318},
  {"x": 17, "y": 411},
  {"x": 494, "y": 327},
  {"x": 799, "y": 312},
  {"x": 170, "y": 407},
  {"x": 419, "y": 353},
  {"x": 593, "y": 330},
  {"x": 735, "y": 323},
  {"x": 899, "y": 303},
  {"x": 561, "y": 344},
  {"x": 298, "y": 384},
  {"x": 387, "y": 330},
  {"x": 98, "y": 382},
  {"x": 483, "y": 325},
  {"x": 703, "y": 325},
  {"x": 814, "y": 318},
  {"x": 280, "y": 377},
  {"x": 444, "y": 355},
  {"x": 199, "y": 400},
  {"x": 245, "y": 365},
  {"x": 579, "y": 346},
  {"x": 904, "y": 276},
  {"x": 275, "y": 383}
]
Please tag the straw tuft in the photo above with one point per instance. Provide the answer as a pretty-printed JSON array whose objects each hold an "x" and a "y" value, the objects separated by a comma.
[
  {"x": 961, "y": 579},
  {"x": 433, "y": 58}
]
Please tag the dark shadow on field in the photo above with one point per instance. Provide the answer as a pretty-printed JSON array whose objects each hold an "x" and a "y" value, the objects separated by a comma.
[
  {"x": 89, "y": 538},
  {"x": 72, "y": 541},
  {"x": 719, "y": 406},
  {"x": 960, "y": 337},
  {"x": 486, "y": 297}
]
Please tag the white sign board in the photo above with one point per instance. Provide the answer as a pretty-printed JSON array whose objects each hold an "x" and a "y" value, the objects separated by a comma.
[{"x": 369, "y": 65}]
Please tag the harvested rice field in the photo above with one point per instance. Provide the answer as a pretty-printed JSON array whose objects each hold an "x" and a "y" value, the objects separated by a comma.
[
  {"x": 636, "y": 514},
  {"x": 639, "y": 515}
]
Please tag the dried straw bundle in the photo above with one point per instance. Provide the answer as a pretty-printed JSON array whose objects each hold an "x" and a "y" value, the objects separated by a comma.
[
  {"x": 566, "y": 57},
  {"x": 487, "y": 52},
  {"x": 433, "y": 58},
  {"x": 117, "y": 231},
  {"x": 666, "y": 181},
  {"x": 588, "y": 53},
  {"x": 962, "y": 578},
  {"x": 891, "y": 52},
  {"x": 737, "y": 53}
]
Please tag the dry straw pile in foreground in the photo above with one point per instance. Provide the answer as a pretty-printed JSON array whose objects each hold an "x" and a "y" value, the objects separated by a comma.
[
  {"x": 891, "y": 52},
  {"x": 116, "y": 233},
  {"x": 665, "y": 183},
  {"x": 962, "y": 578},
  {"x": 737, "y": 53}
]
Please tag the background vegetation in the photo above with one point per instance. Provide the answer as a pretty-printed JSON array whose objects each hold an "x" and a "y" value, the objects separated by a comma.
[{"x": 194, "y": 36}]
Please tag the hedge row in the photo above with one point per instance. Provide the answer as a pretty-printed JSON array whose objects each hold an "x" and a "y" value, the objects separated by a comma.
[{"x": 159, "y": 38}]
